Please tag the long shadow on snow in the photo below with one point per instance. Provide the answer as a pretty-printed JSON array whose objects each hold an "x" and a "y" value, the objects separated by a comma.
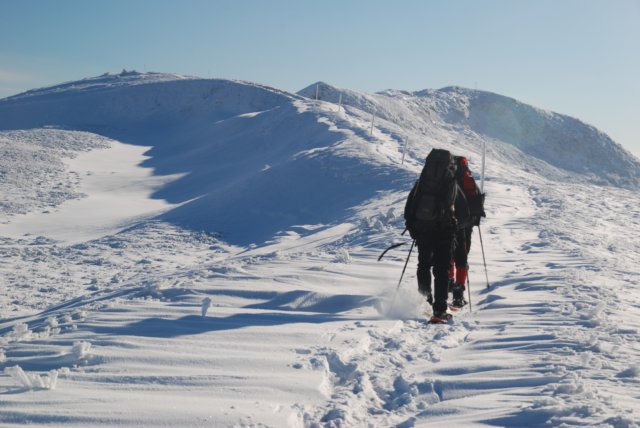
[
  {"x": 534, "y": 417},
  {"x": 193, "y": 324},
  {"x": 252, "y": 163},
  {"x": 295, "y": 300}
]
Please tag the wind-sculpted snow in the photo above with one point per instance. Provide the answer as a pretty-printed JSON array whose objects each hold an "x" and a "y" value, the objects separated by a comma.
[
  {"x": 163, "y": 324},
  {"x": 32, "y": 173},
  {"x": 254, "y": 160}
]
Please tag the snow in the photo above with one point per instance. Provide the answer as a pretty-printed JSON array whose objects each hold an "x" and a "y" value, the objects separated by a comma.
[
  {"x": 118, "y": 192},
  {"x": 208, "y": 258}
]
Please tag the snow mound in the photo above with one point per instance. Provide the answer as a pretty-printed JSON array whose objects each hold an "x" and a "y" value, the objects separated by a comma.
[
  {"x": 105, "y": 81},
  {"x": 134, "y": 103},
  {"x": 237, "y": 146}
]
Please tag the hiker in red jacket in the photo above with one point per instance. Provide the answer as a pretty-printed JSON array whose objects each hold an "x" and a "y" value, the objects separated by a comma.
[{"x": 469, "y": 209}]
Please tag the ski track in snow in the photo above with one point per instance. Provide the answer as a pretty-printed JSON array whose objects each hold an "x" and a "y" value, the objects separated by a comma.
[{"x": 161, "y": 326}]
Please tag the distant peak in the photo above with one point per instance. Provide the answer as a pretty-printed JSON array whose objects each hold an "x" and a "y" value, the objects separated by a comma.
[{"x": 317, "y": 87}]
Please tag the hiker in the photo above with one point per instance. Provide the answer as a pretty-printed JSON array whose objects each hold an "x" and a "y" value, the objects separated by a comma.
[
  {"x": 469, "y": 207},
  {"x": 429, "y": 218}
]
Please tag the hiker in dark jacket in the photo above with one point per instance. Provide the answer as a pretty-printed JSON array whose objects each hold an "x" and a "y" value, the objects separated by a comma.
[
  {"x": 429, "y": 215},
  {"x": 468, "y": 210}
]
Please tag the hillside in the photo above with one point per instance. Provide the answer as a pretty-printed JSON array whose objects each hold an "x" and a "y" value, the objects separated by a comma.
[
  {"x": 558, "y": 140},
  {"x": 180, "y": 251},
  {"x": 236, "y": 144}
]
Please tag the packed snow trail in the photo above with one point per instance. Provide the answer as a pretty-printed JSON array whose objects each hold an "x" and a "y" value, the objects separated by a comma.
[{"x": 527, "y": 355}]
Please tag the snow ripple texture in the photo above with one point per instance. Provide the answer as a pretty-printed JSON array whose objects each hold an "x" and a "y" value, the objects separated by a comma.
[{"x": 291, "y": 321}]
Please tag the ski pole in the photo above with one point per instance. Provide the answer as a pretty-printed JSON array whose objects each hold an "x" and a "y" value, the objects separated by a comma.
[
  {"x": 486, "y": 274},
  {"x": 402, "y": 275}
]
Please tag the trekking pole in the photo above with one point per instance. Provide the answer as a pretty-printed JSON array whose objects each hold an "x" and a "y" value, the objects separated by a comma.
[
  {"x": 486, "y": 274},
  {"x": 402, "y": 275}
]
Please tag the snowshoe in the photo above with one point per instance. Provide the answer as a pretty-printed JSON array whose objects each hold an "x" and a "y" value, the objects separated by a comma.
[
  {"x": 453, "y": 308},
  {"x": 440, "y": 318}
]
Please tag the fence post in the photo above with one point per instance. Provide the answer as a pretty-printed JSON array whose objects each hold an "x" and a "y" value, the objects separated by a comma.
[
  {"x": 373, "y": 116},
  {"x": 404, "y": 150}
]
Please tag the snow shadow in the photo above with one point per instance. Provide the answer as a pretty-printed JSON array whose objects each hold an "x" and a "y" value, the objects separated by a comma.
[
  {"x": 299, "y": 300},
  {"x": 193, "y": 324},
  {"x": 253, "y": 160},
  {"x": 530, "y": 418}
]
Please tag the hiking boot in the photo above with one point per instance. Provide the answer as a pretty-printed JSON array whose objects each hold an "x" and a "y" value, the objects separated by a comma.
[
  {"x": 440, "y": 317},
  {"x": 458, "y": 296}
]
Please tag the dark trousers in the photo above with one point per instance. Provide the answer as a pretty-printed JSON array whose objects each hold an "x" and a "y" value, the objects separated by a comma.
[
  {"x": 435, "y": 250},
  {"x": 463, "y": 245}
]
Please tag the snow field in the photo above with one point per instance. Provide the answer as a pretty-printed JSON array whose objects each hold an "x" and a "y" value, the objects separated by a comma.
[
  {"x": 34, "y": 177},
  {"x": 117, "y": 193},
  {"x": 150, "y": 322}
]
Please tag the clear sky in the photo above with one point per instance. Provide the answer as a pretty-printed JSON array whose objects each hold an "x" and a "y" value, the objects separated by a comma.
[{"x": 577, "y": 57}]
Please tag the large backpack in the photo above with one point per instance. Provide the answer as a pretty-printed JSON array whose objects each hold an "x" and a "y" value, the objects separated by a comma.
[{"x": 430, "y": 202}]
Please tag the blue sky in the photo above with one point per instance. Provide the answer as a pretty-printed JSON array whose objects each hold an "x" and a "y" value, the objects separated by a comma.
[{"x": 578, "y": 57}]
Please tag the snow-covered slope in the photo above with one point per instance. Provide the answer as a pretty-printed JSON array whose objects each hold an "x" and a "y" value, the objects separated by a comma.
[
  {"x": 227, "y": 276},
  {"x": 557, "y": 139},
  {"x": 239, "y": 146}
]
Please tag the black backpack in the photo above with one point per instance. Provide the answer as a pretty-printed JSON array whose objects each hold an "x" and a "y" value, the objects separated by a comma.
[{"x": 430, "y": 202}]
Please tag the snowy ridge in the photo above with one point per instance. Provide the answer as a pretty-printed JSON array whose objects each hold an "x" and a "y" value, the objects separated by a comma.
[
  {"x": 559, "y": 140},
  {"x": 255, "y": 299},
  {"x": 236, "y": 144}
]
